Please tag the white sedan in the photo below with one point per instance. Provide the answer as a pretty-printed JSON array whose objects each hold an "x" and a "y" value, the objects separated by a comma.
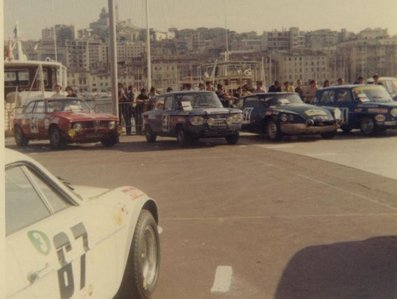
[{"x": 76, "y": 242}]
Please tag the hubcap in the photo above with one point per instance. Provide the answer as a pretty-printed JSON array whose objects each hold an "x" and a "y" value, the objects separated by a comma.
[
  {"x": 272, "y": 130},
  {"x": 149, "y": 257},
  {"x": 55, "y": 137},
  {"x": 368, "y": 126},
  {"x": 181, "y": 137}
]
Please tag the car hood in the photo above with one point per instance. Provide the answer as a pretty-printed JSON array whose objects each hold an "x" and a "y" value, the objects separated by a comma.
[
  {"x": 302, "y": 109},
  {"x": 214, "y": 111},
  {"x": 88, "y": 192},
  {"x": 84, "y": 116},
  {"x": 377, "y": 104}
]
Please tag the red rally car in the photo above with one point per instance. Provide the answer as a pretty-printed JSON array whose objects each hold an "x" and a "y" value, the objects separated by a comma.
[{"x": 64, "y": 120}]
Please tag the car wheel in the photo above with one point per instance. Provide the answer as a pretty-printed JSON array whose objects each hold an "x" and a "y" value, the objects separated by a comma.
[
  {"x": 232, "y": 139},
  {"x": 20, "y": 138},
  {"x": 367, "y": 125},
  {"x": 110, "y": 141},
  {"x": 143, "y": 265},
  {"x": 56, "y": 139},
  {"x": 273, "y": 131},
  {"x": 182, "y": 137},
  {"x": 150, "y": 136},
  {"x": 328, "y": 135},
  {"x": 346, "y": 130}
]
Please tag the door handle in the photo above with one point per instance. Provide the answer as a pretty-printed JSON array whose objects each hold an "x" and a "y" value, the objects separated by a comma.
[{"x": 34, "y": 275}]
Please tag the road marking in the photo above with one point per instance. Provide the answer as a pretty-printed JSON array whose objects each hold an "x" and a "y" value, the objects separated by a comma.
[{"x": 223, "y": 279}]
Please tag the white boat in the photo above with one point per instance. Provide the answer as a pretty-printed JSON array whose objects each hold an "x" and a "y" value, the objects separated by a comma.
[{"x": 25, "y": 80}]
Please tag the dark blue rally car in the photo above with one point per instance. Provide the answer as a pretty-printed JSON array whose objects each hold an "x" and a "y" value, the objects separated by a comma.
[
  {"x": 190, "y": 115},
  {"x": 284, "y": 113},
  {"x": 369, "y": 108}
]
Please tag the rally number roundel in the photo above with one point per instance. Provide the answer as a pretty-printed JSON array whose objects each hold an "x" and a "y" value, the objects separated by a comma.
[{"x": 40, "y": 241}]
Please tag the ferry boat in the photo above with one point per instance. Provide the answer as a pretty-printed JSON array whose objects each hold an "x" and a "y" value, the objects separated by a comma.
[{"x": 25, "y": 80}]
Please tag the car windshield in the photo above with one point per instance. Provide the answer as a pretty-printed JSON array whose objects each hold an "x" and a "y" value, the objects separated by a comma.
[
  {"x": 372, "y": 93},
  {"x": 199, "y": 100},
  {"x": 68, "y": 105},
  {"x": 283, "y": 99},
  {"x": 391, "y": 86}
]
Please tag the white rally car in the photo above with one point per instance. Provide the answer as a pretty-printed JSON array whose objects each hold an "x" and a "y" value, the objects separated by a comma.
[{"x": 76, "y": 242}]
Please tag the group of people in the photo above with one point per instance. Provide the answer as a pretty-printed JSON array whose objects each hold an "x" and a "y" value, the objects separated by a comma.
[
  {"x": 58, "y": 91},
  {"x": 131, "y": 107}
]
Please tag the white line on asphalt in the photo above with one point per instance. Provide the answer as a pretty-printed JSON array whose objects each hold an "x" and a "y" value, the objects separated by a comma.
[{"x": 223, "y": 279}]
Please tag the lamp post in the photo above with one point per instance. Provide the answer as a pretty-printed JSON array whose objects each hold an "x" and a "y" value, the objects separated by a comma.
[{"x": 113, "y": 58}]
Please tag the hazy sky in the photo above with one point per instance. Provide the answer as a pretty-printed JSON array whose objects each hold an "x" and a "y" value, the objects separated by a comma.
[{"x": 238, "y": 15}]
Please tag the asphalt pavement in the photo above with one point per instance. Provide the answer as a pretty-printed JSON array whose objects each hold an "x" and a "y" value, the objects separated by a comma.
[{"x": 303, "y": 218}]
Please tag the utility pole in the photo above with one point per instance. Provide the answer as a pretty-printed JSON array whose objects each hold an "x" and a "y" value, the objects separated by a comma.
[
  {"x": 113, "y": 58},
  {"x": 149, "y": 63}
]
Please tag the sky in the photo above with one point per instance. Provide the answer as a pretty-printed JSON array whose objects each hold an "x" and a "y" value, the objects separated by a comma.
[{"x": 237, "y": 15}]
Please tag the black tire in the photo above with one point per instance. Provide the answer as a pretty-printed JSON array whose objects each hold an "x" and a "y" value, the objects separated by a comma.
[
  {"x": 367, "y": 126},
  {"x": 110, "y": 141},
  {"x": 150, "y": 136},
  {"x": 328, "y": 135},
  {"x": 56, "y": 139},
  {"x": 182, "y": 137},
  {"x": 20, "y": 138},
  {"x": 273, "y": 131},
  {"x": 233, "y": 138},
  {"x": 143, "y": 265}
]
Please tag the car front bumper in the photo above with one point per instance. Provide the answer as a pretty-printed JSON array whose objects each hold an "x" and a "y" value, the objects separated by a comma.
[
  {"x": 302, "y": 129},
  {"x": 213, "y": 131},
  {"x": 89, "y": 135}
]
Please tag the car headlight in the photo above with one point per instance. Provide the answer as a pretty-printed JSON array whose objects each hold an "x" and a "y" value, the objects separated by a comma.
[
  {"x": 197, "y": 120},
  {"x": 77, "y": 126},
  {"x": 234, "y": 118},
  {"x": 286, "y": 117},
  {"x": 337, "y": 113},
  {"x": 112, "y": 125},
  {"x": 393, "y": 112},
  {"x": 210, "y": 121}
]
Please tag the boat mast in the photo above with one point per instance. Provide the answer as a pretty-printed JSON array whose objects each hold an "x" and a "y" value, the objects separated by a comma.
[{"x": 55, "y": 34}]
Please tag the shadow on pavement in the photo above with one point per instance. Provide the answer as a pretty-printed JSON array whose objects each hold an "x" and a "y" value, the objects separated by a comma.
[{"x": 362, "y": 269}]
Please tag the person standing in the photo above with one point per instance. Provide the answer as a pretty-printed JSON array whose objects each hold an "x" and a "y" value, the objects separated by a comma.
[
  {"x": 222, "y": 95},
  {"x": 141, "y": 104},
  {"x": 288, "y": 87},
  {"x": 125, "y": 109},
  {"x": 326, "y": 83},
  {"x": 299, "y": 89},
  {"x": 376, "y": 79},
  {"x": 131, "y": 100},
  {"x": 57, "y": 89},
  {"x": 152, "y": 98},
  {"x": 276, "y": 87},
  {"x": 209, "y": 86},
  {"x": 259, "y": 87},
  {"x": 310, "y": 92},
  {"x": 201, "y": 86},
  {"x": 70, "y": 92}
]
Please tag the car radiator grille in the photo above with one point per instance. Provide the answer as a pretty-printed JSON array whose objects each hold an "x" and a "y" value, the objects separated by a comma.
[{"x": 95, "y": 124}]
